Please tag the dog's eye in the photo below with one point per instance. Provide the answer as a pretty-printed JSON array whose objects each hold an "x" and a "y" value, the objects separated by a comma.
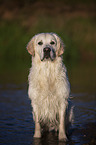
[
  {"x": 52, "y": 42},
  {"x": 40, "y": 43}
]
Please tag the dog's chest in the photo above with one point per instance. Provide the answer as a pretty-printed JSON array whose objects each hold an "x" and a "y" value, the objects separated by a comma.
[{"x": 47, "y": 77}]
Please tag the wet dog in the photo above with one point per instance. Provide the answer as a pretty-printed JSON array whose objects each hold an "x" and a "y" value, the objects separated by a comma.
[{"x": 49, "y": 88}]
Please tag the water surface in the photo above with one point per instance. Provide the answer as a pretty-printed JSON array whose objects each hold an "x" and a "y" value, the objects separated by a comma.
[{"x": 16, "y": 120}]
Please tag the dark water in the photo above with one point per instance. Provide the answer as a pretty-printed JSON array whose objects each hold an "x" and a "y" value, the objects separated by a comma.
[{"x": 16, "y": 121}]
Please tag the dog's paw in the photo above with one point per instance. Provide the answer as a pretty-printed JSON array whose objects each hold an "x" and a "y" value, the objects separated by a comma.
[
  {"x": 37, "y": 134},
  {"x": 62, "y": 137}
]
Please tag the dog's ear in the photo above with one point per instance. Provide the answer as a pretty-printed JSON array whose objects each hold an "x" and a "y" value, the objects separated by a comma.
[
  {"x": 30, "y": 47},
  {"x": 60, "y": 45}
]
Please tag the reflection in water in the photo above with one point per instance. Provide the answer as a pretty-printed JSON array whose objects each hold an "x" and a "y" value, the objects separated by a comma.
[
  {"x": 37, "y": 141},
  {"x": 49, "y": 138},
  {"x": 17, "y": 126}
]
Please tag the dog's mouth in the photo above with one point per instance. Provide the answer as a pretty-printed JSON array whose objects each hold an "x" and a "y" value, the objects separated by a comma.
[{"x": 48, "y": 53}]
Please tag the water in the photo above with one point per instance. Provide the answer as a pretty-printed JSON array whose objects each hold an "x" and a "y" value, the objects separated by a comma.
[
  {"x": 16, "y": 120},
  {"x": 16, "y": 123}
]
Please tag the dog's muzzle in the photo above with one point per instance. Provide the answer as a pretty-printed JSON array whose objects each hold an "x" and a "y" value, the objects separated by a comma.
[{"x": 48, "y": 53}]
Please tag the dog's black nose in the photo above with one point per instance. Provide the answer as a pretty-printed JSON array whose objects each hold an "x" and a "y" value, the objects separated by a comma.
[
  {"x": 47, "y": 52},
  {"x": 46, "y": 49}
]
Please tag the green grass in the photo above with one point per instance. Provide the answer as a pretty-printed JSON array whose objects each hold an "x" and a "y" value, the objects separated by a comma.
[
  {"x": 78, "y": 34},
  {"x": 12, "y": 41}
]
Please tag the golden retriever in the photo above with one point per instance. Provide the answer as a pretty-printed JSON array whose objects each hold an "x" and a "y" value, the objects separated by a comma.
[{"x": 49, "y": 88}]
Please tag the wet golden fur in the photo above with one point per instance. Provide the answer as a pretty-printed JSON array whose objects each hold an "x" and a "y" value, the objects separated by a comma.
[{"x": 49, "y": 87}]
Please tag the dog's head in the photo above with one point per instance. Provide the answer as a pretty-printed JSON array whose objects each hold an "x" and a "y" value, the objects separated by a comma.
[{"x": 47, "y": 45}]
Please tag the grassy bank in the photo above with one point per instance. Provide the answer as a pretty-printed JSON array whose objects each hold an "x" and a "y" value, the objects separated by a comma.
[{"x": 76, "y": 26}]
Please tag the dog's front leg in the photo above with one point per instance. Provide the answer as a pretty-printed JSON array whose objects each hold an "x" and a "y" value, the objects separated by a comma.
[
  {"x": 37, "y": 133},
  {"x": 62, "y": 115}
]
